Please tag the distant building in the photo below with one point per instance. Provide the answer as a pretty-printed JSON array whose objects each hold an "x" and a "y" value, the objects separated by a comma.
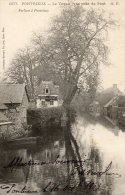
[
  {"x": 106, "y": 102},
  {"x": 14, "y": 102},
  {"x": 107, "y": 98},
  {"x": 47, "y": 95},
  {"x": 121, "y": 110}
]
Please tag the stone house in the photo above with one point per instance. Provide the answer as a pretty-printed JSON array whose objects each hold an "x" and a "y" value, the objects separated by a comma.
[
  {"x": 4, "y": 120},
  {"x": 47, "y": 95},
  {"x": 108, "y": 97},
  {"x": 5, "y": 124},
  {"x": 108, "y": 100},
  {"x": 14, "y": 102}
]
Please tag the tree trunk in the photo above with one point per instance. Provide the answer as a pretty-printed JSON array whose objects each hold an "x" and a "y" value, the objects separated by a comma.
[{"x": 69, "y": 96}]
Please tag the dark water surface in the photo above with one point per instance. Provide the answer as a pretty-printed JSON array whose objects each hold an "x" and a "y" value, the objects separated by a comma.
[{"x": 87, "y": 157}]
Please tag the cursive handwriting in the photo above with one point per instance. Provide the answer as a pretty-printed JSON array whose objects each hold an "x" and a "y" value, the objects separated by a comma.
[
  {"x": 97, "y": 173},
  {"x": 79, "y": 169},
  {"x": 12, "y": 188},
  {"x": 51, "y": 187},
  {"x": 78, "y": 186},
  {"x": 18, "y": 162}
]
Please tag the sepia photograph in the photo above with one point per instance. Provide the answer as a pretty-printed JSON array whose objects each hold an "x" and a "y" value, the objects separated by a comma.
[{"x": 62, "y": 97}]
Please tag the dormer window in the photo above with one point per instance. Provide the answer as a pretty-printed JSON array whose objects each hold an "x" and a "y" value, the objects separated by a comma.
[{"x": 46, "y": 91}]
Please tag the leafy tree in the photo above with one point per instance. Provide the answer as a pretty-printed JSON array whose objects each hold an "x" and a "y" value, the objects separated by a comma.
[
  {"x": 75, "y": 47},
  {"x": 70, "y": 54},
  {"x": 21, "y": 69}
]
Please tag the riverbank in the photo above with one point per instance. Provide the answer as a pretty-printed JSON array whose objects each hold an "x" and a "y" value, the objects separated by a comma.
[
  {"x": 12, "y": 132},
  {"x": 50, "y": 117},
  {"x": 90, "y": 138},
  {"x": 37, "y": 120}
]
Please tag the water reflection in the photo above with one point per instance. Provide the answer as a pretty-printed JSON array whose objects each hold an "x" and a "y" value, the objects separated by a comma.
[{"x": 71, "y": 156}]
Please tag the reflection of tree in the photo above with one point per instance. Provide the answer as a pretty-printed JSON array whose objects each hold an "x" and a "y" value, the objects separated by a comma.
[
  {"x": 72, "y": 152},
  {"x": 46, "y": 151},
  {"x": 62, "y": 173},
  {"x": 6, "y": 156},
  {"x": 94, "y": 163},
  {"x": 57, "y": 141},
  {"x": 71, "y": 144}
]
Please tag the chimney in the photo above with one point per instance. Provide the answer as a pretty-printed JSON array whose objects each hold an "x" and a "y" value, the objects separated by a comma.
[
  {"x": 114, "y": 86},
  {"x": 115, "y": 89}
]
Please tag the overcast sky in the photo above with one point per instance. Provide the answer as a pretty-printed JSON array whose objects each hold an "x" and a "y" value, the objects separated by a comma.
[{"x": 19, "y": 27}]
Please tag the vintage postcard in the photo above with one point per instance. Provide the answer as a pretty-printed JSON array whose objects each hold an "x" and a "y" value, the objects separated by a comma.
[{"x": 62, "y": 97}]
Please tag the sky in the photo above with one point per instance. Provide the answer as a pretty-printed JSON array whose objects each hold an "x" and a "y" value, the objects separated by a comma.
[{"x": 19, "y": 25}]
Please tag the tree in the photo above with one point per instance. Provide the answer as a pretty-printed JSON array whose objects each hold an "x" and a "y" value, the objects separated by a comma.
[
  {"x": 75, "y": 47},
  {"x": 71, "y": 52},
  {"x": 21, "y": 69}
]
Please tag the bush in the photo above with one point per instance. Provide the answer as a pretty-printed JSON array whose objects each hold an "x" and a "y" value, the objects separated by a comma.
[{"x": 45, "y": 117}]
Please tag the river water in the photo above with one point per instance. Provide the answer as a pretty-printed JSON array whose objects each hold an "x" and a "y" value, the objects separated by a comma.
[{"x": 86, "y": 157}]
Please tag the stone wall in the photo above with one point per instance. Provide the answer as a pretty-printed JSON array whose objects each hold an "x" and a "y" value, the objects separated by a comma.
[{"x": 18, "y": 126}]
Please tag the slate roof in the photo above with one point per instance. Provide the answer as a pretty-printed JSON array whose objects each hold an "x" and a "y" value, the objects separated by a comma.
[
  {"x": 107, "y": 95},
  {"x": 54, "y": 89},
  {"x": 11, "y": 93},
  {"x": 114, "y": 99}
]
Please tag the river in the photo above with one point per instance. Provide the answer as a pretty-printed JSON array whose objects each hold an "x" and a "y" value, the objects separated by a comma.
[{"x": 87, "y": 157}]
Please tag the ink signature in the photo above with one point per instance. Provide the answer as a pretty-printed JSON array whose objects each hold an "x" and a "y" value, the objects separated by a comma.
[{"x": 79, "y": 169}]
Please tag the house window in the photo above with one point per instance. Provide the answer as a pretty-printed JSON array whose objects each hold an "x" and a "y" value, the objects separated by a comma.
[
  {"x": 46, "y": 91},
  {"x": 51, "y": 102},
  {"x": 43, "y": 103}
]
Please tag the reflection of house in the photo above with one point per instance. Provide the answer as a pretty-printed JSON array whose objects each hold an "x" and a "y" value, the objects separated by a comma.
[
  {"x": 14, "y": 102},
  {"x": 47, "y": 94}
]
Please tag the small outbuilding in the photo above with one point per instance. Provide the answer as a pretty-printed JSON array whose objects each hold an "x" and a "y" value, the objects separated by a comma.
[{"x": 14, "y": 102}]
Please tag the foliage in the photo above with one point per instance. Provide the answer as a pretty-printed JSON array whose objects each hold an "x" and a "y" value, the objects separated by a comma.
[
  {"x": 70, "y": 54},
  {"x": 21, "y": 69},
  {"x": 49, "y": 116},
  {"x": 75, "y": 47}
]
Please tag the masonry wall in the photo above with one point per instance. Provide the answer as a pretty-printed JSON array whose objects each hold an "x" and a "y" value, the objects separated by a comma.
[
  {"x": 47, "y": 103},
  {"x": 17, "y": 113},
  {"x": 23, "y": 108}
]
